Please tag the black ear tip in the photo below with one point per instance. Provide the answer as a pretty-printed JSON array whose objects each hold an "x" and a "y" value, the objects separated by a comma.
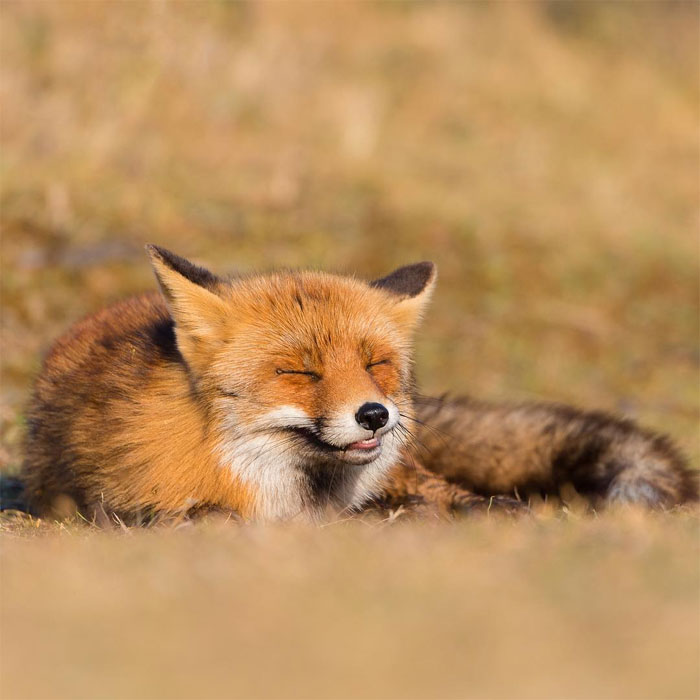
[
  {"x": 428, "y": 268},
  {"x": 155, "y": 251},
  {"x": 421, "y": 272},
  {"x": 408, "y": 281},
  {"x": 166, "y": 256},
  {"x": 193, "y": 273}
]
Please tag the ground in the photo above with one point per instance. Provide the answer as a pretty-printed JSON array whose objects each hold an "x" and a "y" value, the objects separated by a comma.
[{"x": 544, "y": 155}]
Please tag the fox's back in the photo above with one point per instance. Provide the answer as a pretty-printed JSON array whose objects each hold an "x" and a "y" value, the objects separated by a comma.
[
  {"x": 139, "y": 327},
  {"x": 112, "y": 424},
  {"x": 105, "y": 356}
]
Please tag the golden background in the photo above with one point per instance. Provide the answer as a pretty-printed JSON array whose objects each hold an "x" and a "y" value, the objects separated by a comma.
[{"x": 545, "y": 155}]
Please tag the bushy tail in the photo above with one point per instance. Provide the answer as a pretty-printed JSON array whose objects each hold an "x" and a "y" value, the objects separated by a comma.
[{"x": 526, "y": 448}]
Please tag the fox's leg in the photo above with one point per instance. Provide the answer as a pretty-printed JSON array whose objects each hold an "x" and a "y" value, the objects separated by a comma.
[
  {"x": 540, "y": 447},
  {"x": 421, "y": 491}
]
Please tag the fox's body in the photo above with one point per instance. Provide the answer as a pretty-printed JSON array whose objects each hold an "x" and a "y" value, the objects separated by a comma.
[{"x": 285, "y": 395}]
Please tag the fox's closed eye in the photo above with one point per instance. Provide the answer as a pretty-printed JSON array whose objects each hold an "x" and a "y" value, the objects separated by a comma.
[
  {"x": 377, "y": 363},
  {"x": 313, "y": 375}
]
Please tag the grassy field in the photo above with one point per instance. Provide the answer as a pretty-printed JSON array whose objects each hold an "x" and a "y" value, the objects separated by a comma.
[
  {"x": 544, "y": 155},
  {"x": 564, "y": 609}
]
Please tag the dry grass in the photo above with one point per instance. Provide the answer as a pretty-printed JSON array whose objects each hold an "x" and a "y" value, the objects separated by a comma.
[
  {"x": 544, "y": 154},
  {"x": 603, "y": 607}
]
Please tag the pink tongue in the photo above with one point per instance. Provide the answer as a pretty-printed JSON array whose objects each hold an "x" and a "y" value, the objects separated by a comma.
[{"x": 364, "y": 444}]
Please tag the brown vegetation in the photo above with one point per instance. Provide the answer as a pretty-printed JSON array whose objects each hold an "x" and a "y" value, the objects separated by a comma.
[{"x": 543, "y": 154}]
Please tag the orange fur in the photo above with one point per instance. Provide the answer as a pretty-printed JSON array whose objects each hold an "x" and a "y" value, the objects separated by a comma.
[
  {"x": 136, "y": 415},
  {"x": 286, "y": 394}
]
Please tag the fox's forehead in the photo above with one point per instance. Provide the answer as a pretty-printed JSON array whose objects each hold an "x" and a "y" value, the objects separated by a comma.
[
  {"x": 325, "y": 299},
  {"x": 314, "y": 313},
  {"x": 321, "y": 287}
]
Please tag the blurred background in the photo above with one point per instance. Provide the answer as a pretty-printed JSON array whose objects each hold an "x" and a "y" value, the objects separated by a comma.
[{"x": 544, "y": 154}]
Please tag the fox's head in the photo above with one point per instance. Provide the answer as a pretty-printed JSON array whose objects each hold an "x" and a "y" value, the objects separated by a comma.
[{"x": 306, "y": 376}]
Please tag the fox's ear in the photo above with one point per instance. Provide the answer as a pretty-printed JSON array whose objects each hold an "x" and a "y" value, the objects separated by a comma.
[
  {"x": 412, "y": 286},
  {"x": 189, "y": 291},
  {"x": 197, "y": 275}
]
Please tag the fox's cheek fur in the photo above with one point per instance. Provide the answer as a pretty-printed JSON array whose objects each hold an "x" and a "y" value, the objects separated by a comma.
[{"x": 277, "y": 432}]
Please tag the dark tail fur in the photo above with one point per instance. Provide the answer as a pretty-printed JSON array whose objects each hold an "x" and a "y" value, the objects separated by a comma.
[{"x": 528, "y": 448}]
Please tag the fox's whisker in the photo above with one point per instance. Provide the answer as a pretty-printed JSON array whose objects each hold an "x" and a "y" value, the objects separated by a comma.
[
  {"x": 413, "y": 438},
  {"x": 439, "y": 433}
]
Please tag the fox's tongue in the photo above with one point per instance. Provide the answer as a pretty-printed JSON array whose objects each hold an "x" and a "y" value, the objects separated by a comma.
[{"x": 364, "y": 444}]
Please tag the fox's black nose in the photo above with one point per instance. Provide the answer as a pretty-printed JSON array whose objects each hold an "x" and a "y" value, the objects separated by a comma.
[{"x": 372, "y": 416}]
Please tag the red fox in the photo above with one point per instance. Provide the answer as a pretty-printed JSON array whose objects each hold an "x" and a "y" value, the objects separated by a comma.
[{"x": 285, "y": 395}]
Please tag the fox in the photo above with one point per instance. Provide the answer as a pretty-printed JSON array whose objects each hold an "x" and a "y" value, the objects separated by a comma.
[{"x": 292, "y": 395}]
